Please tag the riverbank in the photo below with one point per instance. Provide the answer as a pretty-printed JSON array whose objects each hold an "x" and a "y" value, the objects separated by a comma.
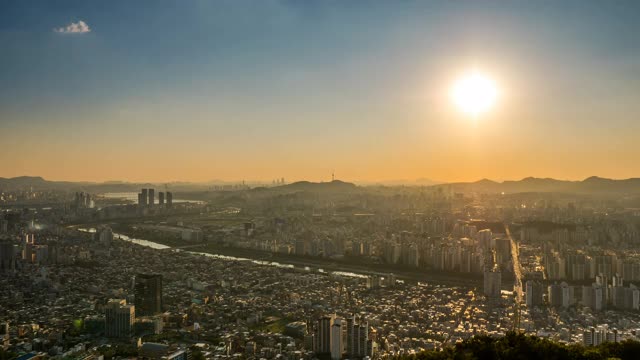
[{"x": 346, "y": 264}]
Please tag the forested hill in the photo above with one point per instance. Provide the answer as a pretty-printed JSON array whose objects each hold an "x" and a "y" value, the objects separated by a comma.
[{"x": 523, "y": 347}]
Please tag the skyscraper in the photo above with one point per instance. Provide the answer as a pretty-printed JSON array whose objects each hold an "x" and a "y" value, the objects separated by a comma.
[
  {"x": 7, "y": 256},
  {"x": 119, "y": 318},
  {"x": 555, "y": 295},
  {"x": 336, "y": 340},
  {"x": 152, "y": 196},
  {"x": 27, "y": 247},
  {"x": 161, "y": 198},
  {"x": 143, "y": 197},
  {"x": 357, "y": 338},
  {"x": 169, "y": 199},
  {"x": 534, "y": 292},
  {"x": 148, "y": 294},
  {"x": 324, "y": 335},
  {"x": 492, "y": 283},
  {"x": 104, "y": 235}
]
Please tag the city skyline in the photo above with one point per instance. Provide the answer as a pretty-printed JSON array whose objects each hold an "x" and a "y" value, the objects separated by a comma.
[
  {"x": 319, "y": 179},
  {"x": 209, "y": 90}
]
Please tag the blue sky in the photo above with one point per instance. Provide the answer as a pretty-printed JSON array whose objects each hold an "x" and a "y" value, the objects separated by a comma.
[{"x": 264, "y": 89}]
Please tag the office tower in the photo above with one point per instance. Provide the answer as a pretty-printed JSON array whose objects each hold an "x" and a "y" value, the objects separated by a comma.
[
  {"x": 492, "y": 283},
  {"x": 169, "y": 199},
  {"x": 119, "y": 318},
  {"x": 533, "y": 294},
  {"x": 161, "y": 198},
  {"x": 336, "y": 340},
  {"x": 143, "y": 197},
  {"x": 324, "y": 335},
  {"x": 152, "y": 199},
  {"x": 148, "y": 294}
]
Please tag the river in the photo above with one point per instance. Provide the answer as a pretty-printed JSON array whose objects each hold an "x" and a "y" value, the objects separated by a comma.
[
  {"x": 158, "y": 246},
  {"x": 133, "y": 197}
]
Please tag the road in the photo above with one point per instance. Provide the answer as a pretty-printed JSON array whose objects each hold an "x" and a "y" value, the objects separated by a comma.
[{"x": 517, "y": 268}]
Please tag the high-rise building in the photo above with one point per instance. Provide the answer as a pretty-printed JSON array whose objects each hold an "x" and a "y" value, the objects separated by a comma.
[
  {"x": 169, "y": 199},
  {"x": 336, "y": 340},
  {"x": 148, "y": 294},
  {"x": 492, "y": 283},
  {"x": 324, "y": 335},
  {"x": 598, "y": 297},
  {"x": 596, "y": 336},
  {"x": 28, "y": 244},
  {"x": 82, "y": 200},
  {"x": 7, "y": 256},
  {"x": 555, "y": 295},
  {"x": 152, "y": 197},
  {"x": 484, "y": 237},
  {"x": 362, "y": 340},
  {"x": 104, "y": 235},
  {"x": 567, "y": 295},
  {"x": 351, "y": 322},
  {"x": 358, "y": 343},
  {"x": 533, "y": 294},
  {"x": 143, "y": 197},
  {"x": 119, "y": 318},
  {"x": 161, "y": 198}
]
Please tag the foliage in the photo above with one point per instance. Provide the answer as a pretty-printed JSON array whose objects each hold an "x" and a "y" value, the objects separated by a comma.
[
  {"x": 6, "y": 355},
  {"x": 522, "y": 347}
]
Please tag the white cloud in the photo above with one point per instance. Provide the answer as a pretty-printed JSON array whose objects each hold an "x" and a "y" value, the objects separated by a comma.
[{"x": 79, "y": 27}]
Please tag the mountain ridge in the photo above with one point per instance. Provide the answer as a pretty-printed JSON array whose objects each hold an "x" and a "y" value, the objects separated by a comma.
[{"x": 592, "y": 184}]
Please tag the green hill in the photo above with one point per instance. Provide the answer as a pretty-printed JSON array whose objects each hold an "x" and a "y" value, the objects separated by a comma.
[{"x": 523, "y": 347}]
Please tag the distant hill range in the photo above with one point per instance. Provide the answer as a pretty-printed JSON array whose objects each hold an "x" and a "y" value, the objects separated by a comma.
[
  {"x": 592, "y": 184},
  {"x": 38, "y": 183}
]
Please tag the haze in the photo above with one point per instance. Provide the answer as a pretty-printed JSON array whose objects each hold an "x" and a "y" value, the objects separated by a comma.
[{"x": 234, "y": 90}]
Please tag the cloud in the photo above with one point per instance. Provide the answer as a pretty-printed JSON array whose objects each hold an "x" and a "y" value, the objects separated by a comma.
[{"x": 80, "y": 27}]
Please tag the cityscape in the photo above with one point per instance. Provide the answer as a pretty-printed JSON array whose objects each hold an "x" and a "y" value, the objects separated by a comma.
[{"x": 319, "y": 180}]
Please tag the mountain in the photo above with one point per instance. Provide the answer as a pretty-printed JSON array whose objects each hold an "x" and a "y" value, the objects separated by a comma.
[
  {"x": 35, "y": 183},
  {"x": 589, "y": 185},
  {"x": 333, "y": 186},
  {"x": 401, "y": 182}
]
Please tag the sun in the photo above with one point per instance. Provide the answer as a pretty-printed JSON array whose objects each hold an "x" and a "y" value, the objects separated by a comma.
[{"x": 475, "y": 93}]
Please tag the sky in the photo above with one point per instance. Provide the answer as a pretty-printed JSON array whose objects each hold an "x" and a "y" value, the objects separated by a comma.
[{"x": 258, "y": 90}]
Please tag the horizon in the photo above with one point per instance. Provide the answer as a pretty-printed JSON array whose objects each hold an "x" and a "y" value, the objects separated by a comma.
[
  {"x": 453, "y": 91},
  {"x": 430, "y": 182}
]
